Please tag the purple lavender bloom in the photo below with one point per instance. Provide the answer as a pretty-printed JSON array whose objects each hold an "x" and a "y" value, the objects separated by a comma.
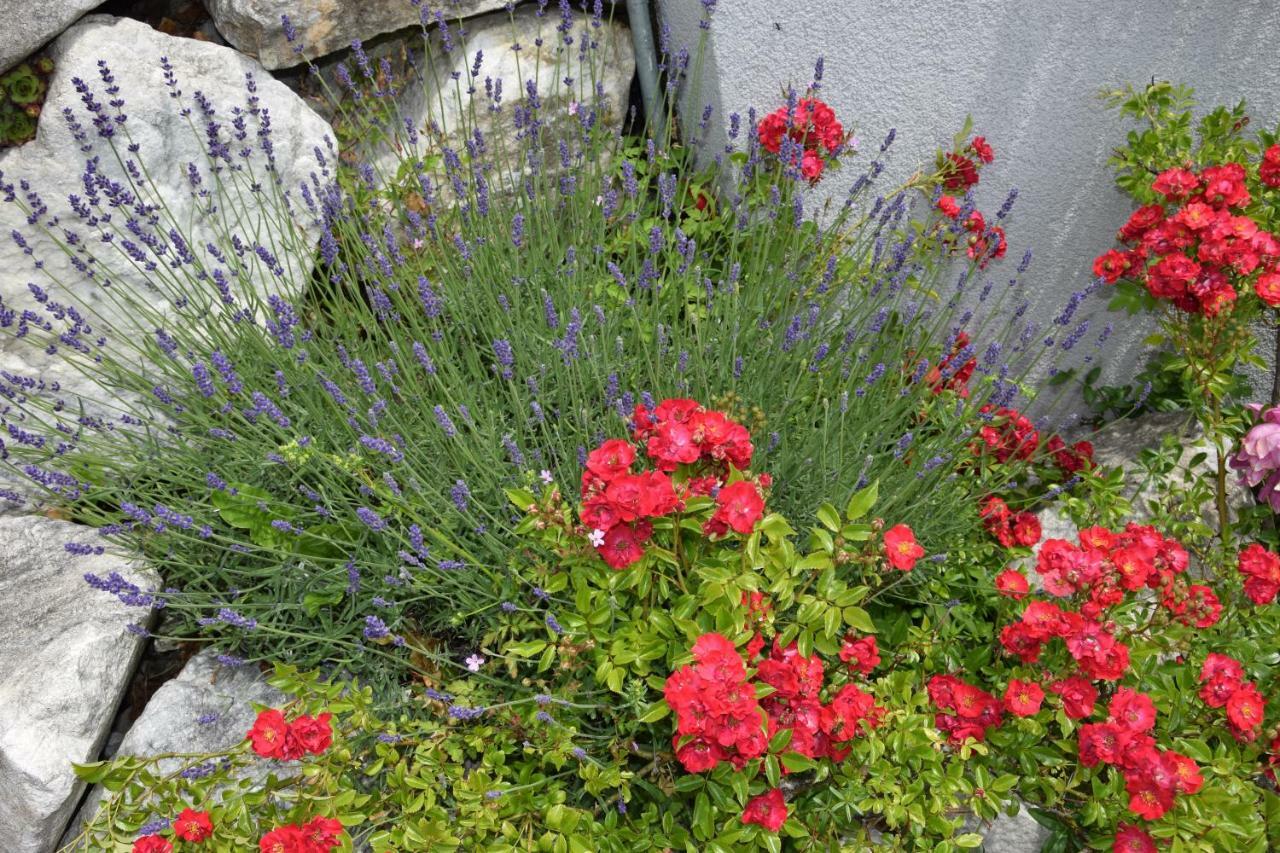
[{"x": 459, "y": 495}]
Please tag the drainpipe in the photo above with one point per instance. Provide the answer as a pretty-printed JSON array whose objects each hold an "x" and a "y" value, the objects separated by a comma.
[{"x": 647, "y": 65}]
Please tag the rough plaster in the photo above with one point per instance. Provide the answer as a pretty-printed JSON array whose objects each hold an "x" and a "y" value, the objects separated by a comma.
[{"x": 1028, "y": 71}]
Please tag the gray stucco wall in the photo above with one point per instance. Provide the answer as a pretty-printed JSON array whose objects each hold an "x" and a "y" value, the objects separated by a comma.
[{"x": 1028, "y": 71}]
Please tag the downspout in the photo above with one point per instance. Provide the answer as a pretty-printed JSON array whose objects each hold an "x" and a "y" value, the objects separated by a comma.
[{"x": 647, "y": 65}]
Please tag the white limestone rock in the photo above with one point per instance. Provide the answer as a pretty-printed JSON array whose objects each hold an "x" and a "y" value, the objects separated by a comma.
[
  {"x": 29, "y": 26},
  {"x": 67, "y": 658},
  {"x": 323, "y": 26}
]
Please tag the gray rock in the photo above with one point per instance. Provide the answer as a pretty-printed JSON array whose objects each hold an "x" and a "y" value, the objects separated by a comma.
[
  {"x": 66, "y": 659},
  {"x": 1017, "y": 834},
  {"x": 138, "y": 300},
  {"x": 437, "y": 104},
  {"x": 29, "y": 26},
  {"x": 207, "y": 708},
  {"x": 323, "y": 26}
]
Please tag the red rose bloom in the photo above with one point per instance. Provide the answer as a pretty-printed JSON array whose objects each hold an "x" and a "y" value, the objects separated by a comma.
[
  {"x": 949, "y": 207},
  {"x": 1176, "y": 184},
  {"x": 1186, "y": 773},
  {"x": 1141, "y": 221},
  {"x": 1245, "y": 709},
  {"x": 1269, "y": 168},
  {"x": 269, "y": 734},
  {"x": 152, "y": 844},
  {"x": 862, "y": 654},
  {"x": 284, "y": 839},
  {"x": 768, "y": 810},
  {"x": 314, "y": 734},
  {"x": 1078, "y": 696},
  {"x": 1112, "y": 265},
  {"x": 811, "y": 166},
  {"x": 1268, "y": 288},
  {"x": 1026, "y": 529},
  {"x": 1132, "y": 710},
  {"x": 1013, "y": 584},
  {"x": 1131, "y": 839},
  {"x": 610, "y": 459},
  {"x": 1023, "y": 698},
  {"x": 1261, "y": 570},
  {"x": 1224, "y": 185},
  {"x": 959, "y": 172},
  {"x": 322, "y": 833},
  {"x": 193, "y": 825},
  {"x": 740, "y": 506},
  {"x": 900, "y": 547},
  {"x": 623, "y": 545},
  {"x": 981, "y": 149},
  {"x": 1147, "y": 799}
]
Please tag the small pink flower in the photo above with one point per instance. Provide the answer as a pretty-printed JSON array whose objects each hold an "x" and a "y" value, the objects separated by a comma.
[
  {"x": 474, "y": 662},
  {"x": 596, "y": 538}
]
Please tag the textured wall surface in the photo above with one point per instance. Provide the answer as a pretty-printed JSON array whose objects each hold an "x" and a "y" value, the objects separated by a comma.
[{"x": 1028, "y": 72}]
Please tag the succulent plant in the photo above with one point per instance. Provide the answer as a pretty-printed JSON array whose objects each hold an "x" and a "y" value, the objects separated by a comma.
[{"x": 23, "y": 85}]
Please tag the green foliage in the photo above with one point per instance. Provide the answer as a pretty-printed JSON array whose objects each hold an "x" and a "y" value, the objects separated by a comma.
[{"x": 22, "y": 91}]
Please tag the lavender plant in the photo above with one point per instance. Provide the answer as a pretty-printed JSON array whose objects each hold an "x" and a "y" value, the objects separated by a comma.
[{"x": 306, "y": 411}]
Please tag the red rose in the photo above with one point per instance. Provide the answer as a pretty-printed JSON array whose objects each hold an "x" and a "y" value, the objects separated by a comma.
[
  {"x": 1012, "y": 583},
  {"x": 1140, "y": 221},
  {"x": 1111, "y": 265},
  {"x": 1023, "y": 698},
  {"x": 768, "y": 810},
  {"x": 771, "y": 130},
  {"x": 322, "y": 833},
  {"x": 1078, "y": 696},
  {"x": 314, "y": 734},
  {"x": 623, "y": 545},
  {"x": 1175, "y": 184},
  {"x": 1261, "y": 570},
  {"x": 672, "y": 444},
  {"x": 1268, "y": 288},
  {"x": 610, "y": 459},
  {"x": 192, "y": 825},
  {"x": 981, "y": 149},
  {"x": 900, "y": 547},
  {"x": 1224, "y": 185},
  {"x": 1131, "y": 839},
  {"x": 1269, "y": 168},
  {"x": 1026, "y": 529},
  {"x": 269, "y": 734},
  {"x": 862, "y": 654},
  {"x": 958, "y": 172},
  {"x": 811, "y": 166},
  {"x": 1186, "y": 773},
  {"x": 739, "y": 506},
  {"x": 284, "y": 839},
  {"x": 949, "y": 207},
  {"x": 1147, "y": 799},
  {"x": 152, "y": 844},
  {"x": 1245, "y": 709},
  {"x": 1132, "y": 711}
]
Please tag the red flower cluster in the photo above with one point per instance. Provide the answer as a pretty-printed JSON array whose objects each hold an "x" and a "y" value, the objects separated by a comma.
[
  {"x": 1093, "y": 647},
  {"x": 1261, "y": 570},
  {"x": 1222, "y": 684},
  {"x": 959, "y": 169},
  {"x": 965, "y": 711},
  {"x": 273, "y": 737},
  {"x": 814, "y": 133},
  {"x": 1008, "y": 434},
  {"x": 152, "y": 844},
  {"x": 679, "y": 432},
  {"x": 1010, "y": 528},
  {"x": 1152, "y": 776},
  {"x": 718, "y": 717},
  {"x": 1191, "y": 252},
  {"x": 982, "y": 243},
  {"x": 901, "y": 549},
  {"x": 318, "y": 835},
  {"x": 1070, "y": 460},
  {"x": 1106, "y": 565}
]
